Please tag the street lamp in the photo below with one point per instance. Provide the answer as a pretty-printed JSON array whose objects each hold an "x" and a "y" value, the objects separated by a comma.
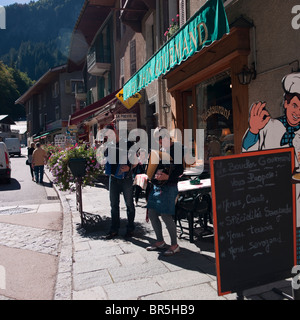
[
  {"x": 167, "y": 108},
  {"x": 246, "y": 75}
]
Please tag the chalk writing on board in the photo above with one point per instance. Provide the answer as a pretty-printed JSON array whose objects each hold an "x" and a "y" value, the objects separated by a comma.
[{"x": 253, "y": 209}]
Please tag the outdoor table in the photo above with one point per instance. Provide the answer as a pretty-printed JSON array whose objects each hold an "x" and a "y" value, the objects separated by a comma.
[{"x": 191, "y": 196}]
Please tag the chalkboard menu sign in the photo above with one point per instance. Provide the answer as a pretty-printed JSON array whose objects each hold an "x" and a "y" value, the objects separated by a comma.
[{"x": 254, "y": 218}]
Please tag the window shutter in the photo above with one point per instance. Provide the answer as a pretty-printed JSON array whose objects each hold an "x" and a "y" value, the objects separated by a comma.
[
  {"x": 68, "y": 89},
  {"x": 182, "y": 12},
  {"x": 122, "y": 67},
  {"x": 132, "y": 57}
]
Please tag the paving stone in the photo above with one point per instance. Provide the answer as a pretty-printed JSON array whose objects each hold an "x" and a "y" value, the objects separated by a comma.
[
  {"x": 196, "y": 292},
  {"x": 95, "y": 293},
  {"x": 128, "y": 259},
  {"x": 137, "y": 271},
  {"x": 181, "y": 279},
  {"x": 131, "y": 290},
  {"x": 87, "y": 280},
  {"x": 35, "y": 239},
  {"x": 83, "y": 266}
]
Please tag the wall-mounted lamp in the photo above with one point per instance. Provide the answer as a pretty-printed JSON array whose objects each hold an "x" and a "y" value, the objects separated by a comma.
[
  {"x": 246, "y": 75},
  {"x": 167, "y": 108},
  {"x": 112, "y": 108}
]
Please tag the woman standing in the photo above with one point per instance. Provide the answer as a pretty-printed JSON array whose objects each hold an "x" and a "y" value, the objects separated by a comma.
[
  {"x": 29, "y": 154},
  {"x": 162, "y": 197}
]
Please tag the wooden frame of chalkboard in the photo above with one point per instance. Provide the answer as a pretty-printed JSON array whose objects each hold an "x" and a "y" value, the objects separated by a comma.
[{"x": 254, "y": 213}]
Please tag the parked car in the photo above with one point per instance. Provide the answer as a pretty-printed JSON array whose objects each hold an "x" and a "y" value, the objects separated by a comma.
[
  {"x": 14, "y": 146},
  {"x": 5, "y": 165}
]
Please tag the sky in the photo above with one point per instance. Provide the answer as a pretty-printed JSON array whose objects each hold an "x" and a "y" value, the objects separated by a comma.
[{"x": 8, "y": 2}]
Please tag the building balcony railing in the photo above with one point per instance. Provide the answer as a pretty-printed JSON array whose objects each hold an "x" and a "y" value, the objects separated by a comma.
[{"x": 95, "y": 66}]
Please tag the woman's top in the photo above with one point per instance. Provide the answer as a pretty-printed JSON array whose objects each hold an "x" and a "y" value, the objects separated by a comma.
[
  {"x": 174, "y": 170},
  {"x": 29, "y": 154},
  {"x": 163, "y": 196}
]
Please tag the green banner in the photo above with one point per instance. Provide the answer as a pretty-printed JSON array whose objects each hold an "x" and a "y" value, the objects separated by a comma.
[{"x": 202, "y": 29}]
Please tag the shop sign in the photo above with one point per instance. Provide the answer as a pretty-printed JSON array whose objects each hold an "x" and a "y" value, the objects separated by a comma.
[
  {"x": 129, "y": 118},
  {"x": 130, "y": 102},
  {"x": 60, "y": 140},
  {"x": 72, "y": 128},
  {"x": 216, "y": 110},
  {"x": 202, "y": 29}
]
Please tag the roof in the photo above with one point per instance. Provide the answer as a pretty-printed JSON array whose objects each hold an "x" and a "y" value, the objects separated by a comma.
[
  {"x": 6, "y": 119},
  {"x": 45, "y": 79},
  {"x": 92, "y": 16}
]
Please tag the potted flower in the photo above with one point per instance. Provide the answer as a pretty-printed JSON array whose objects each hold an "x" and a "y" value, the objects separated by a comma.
[
  {"x": 174, "y": 27},
  {"x": 71, "y": 163}
]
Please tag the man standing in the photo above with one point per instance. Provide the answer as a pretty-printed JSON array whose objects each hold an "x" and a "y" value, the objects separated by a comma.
[
  {"x": 118, "y": 167},
  {"x": 39, "y": 158}
]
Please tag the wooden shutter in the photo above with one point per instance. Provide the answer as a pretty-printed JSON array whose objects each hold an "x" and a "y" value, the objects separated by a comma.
[{"x": 182, "y": 12}]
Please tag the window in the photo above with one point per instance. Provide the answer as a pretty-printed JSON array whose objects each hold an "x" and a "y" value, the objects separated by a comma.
[
  {"x": 55, "y": 89},
  {"x": 122, "y": 72},
  {"x": 73, "y": 108},
  {"x": 214, "y": 114},
  {"x": 45, "y": 120},
  {"x": 30, "y": 106},
  {"x": 41, "y": 120},
  {"x": 132, "y": 57},
  {"x": 40, "y": 102},
  {"x": 150, "y": 41},
  {"x": 57, "y": 113},
  {"x": 77, "y": 86}
]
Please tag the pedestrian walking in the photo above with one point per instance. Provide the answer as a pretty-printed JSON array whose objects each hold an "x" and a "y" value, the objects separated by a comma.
[
  {"x": 120, "y": 181},
  {"x": 29, "y": 156},
  {"x": 162, "y": 197},
  {"x": 39, "y": 159}
]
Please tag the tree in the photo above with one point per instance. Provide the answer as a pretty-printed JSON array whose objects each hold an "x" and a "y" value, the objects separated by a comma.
[{"x": 13, "y": 83}]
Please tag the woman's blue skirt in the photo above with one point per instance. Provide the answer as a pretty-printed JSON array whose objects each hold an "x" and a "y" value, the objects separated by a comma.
[{"x": 162, "y": 199}]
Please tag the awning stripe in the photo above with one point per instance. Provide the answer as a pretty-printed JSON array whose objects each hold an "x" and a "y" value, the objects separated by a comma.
[
  {"x": 207, "y": 25},
  {"x": 93, "y": 108}
]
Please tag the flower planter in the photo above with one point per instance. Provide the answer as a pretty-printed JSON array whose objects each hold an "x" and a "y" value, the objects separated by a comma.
[{"x": 77, "y": 167}]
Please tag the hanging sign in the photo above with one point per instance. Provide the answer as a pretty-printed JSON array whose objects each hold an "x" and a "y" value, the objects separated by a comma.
[{"x": 130, "y": 102}]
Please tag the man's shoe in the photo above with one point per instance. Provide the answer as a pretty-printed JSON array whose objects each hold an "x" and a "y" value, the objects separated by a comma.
[
  {"x": 111, "y": 235},
  {"x": 128, "y": 234}
]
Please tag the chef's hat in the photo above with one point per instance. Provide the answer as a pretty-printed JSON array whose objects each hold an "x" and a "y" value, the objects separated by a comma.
[{"x": 291, "y": 83}]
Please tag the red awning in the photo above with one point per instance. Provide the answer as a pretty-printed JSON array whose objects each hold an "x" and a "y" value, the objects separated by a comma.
[{"x": 93, "y": 108}]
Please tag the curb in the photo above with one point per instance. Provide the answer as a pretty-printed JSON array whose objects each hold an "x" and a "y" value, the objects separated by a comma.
[
  {"x": 64, "y": 282},
  {"x": 52, "y": 193}
]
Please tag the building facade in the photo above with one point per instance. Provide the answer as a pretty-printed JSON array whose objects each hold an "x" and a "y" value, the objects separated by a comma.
[
  {"x": 212, "y": 89},
  {"x": 49, "y": 103}
]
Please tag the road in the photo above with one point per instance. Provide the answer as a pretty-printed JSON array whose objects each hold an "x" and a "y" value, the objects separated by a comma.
[
  {"x": 21, "y": 190},
  {"x": 30, "y": 236}
]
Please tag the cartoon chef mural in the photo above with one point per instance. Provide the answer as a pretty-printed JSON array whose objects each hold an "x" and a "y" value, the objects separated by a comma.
[{"x": 265, "y": 132}]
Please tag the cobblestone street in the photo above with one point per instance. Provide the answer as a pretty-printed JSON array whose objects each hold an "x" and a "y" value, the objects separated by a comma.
[{"x": 28, "y": 238}]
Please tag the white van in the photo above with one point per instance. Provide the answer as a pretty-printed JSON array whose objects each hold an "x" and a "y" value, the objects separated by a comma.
[
  {"x": 14, "y": 146},
  {"x": 5, "y": 165}
]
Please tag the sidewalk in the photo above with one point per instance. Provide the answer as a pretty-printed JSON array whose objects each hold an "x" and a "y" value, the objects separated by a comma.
[{"x": 93, "y": 268}]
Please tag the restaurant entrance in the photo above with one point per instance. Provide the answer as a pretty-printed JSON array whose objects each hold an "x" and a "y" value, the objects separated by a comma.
[
  {"x": 208, "y": 106},
  {"x": 215, "y": 116}
]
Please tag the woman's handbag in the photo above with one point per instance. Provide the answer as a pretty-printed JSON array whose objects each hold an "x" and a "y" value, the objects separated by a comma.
[{"x": 27, "y": 162}]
